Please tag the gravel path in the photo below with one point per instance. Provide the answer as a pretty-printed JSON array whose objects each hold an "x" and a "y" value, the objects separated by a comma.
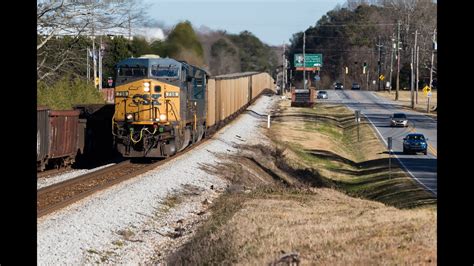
[
  {"x": 48, "y": 181},
  {"x": 136, "y": 220}
]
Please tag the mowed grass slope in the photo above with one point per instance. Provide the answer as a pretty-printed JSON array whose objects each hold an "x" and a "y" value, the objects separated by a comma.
[
  {"x": 326, "y": 138},
  {"x": 294, "y": 202}
]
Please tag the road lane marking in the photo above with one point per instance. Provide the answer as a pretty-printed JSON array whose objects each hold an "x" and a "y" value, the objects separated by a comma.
[
  {"x": 403, "y": 165},
  {"x": 434, "y": 191}
]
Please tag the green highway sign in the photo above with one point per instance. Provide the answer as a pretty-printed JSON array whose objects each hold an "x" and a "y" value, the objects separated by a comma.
[{"x": 311, "y": 60}]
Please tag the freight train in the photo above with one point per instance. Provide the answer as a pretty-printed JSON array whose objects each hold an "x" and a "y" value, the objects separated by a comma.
[
  {"x": 81, "y": 136},
  {"x": 163, "y": 105}
]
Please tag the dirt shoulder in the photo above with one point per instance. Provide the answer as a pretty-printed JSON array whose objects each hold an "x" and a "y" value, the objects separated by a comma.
[
  {"x": 316, "y": 196},
  {"x": 404, "y": 98}
]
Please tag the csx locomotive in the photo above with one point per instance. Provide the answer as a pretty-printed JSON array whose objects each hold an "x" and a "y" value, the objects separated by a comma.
[
  {"x": 159, "y": 106},
  {"x": 163, "y": 105}
]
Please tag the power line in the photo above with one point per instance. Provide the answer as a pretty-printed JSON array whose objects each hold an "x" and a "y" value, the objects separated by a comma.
[{"x": 357, "y": 25}]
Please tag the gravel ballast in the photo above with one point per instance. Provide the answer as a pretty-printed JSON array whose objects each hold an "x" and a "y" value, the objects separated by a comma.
[
  {"x": 48, "y": 181},
  {"x": 135, "y": 220}
]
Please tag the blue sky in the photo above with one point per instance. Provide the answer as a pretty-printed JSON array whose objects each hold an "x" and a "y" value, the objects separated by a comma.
[{"x": 272, "y": 21}]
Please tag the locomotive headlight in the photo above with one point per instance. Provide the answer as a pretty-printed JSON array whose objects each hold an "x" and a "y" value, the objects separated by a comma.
[
  {"x": 162, "y": 117},
  {"x": 129, "y": 116},
  {"x": 146, "y": 86}
]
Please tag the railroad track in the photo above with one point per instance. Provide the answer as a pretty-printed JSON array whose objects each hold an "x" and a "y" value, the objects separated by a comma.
[
  {"x": 60, "y": 195},
  {"x": 52, "y": 172}
]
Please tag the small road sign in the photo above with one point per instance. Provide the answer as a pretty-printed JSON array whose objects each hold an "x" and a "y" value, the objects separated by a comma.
[
  {"x": 426, "y": 90},
  {"x": 429, "y": 94},
  {"x": 382, "y": 77}
]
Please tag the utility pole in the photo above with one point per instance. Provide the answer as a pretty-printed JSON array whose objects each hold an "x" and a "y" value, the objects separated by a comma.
[
  {"x": 380, "y": 62},
  {"x": 417, "y": 49},
  {"x": 94, "y": 62},
  {"x": 417, "y": 74},
  {"x": 88, "y": 75},
  {"x": 432, "y": 58},
  {"x": 129, "y": 27},
  {"x": 100, "y": 64},
  {"x": 398, "y": 61},
  {"x": 304, "y": 60},
  {"x": 367, "y": 79},
  {"x": 391, "y": 64},
  {"x": 283, "y": 69},
  {"x": 411, "y": 79}
]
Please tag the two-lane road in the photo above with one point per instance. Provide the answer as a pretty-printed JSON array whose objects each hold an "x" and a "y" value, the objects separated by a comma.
[{"x": 423, "y": 168}]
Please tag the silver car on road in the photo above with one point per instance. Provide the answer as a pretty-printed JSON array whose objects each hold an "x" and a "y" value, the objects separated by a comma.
[{"x": 398, "y": 119}]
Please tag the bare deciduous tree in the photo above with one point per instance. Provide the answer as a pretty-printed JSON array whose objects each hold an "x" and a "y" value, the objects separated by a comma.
[{"x": 73, "y": 19}]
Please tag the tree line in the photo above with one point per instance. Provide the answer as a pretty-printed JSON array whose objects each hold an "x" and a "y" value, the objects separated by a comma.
[
  {"x": 364, "y": 33},
  {"x": 66, "y": 30}
]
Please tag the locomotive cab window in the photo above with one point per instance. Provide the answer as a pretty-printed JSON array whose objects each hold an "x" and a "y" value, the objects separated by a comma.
[
  {"x": 198, "y": 89},
  {"x": 165, "y": 71},
  {"x": 132, "y": 71}
]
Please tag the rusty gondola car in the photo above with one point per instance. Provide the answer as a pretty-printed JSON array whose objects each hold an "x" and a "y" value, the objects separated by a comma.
[{"x": 57, "y": 137}]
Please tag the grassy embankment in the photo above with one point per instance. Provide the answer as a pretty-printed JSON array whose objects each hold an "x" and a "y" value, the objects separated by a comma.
[{"x": 318, "y": 196}]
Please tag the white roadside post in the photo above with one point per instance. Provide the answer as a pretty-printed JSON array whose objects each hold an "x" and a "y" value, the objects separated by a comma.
[
  {"x": 268, "y": 121},
  {"x": 389, "y": 144},
  {"x": 428, "y": 104},
  {"x": 357, "y": 118}
]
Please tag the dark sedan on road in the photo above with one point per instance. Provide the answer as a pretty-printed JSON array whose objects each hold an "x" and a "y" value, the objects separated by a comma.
[
  {"x": 355, "y": 86},
  {"x": 322, "y": 95},
  {"x": 399, "y": 119},
  {"x": 338, "y": 86},
  {"x": 414, "y": 143}
]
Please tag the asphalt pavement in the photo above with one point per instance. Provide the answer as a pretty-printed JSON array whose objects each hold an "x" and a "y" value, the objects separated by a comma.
[{"x": 377, "y": 110}]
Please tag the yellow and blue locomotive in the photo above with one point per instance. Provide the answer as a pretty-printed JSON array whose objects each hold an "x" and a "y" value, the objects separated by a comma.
[{"x": 160, "y": 106}]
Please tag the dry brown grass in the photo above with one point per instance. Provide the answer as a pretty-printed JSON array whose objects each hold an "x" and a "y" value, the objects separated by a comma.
[
  {"x": 322, "y": 225},
  {"x": 404, "y": 98},
  {"x": 281, "y": 201},
  {"x": 331, "y": 228}
]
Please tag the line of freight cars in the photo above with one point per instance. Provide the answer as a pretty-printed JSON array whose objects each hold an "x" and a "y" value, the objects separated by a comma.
[
  {"x": 84, "y": 135},
  {"x": 81, "y": 136},
  {"x": 163, "y": 105}
]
